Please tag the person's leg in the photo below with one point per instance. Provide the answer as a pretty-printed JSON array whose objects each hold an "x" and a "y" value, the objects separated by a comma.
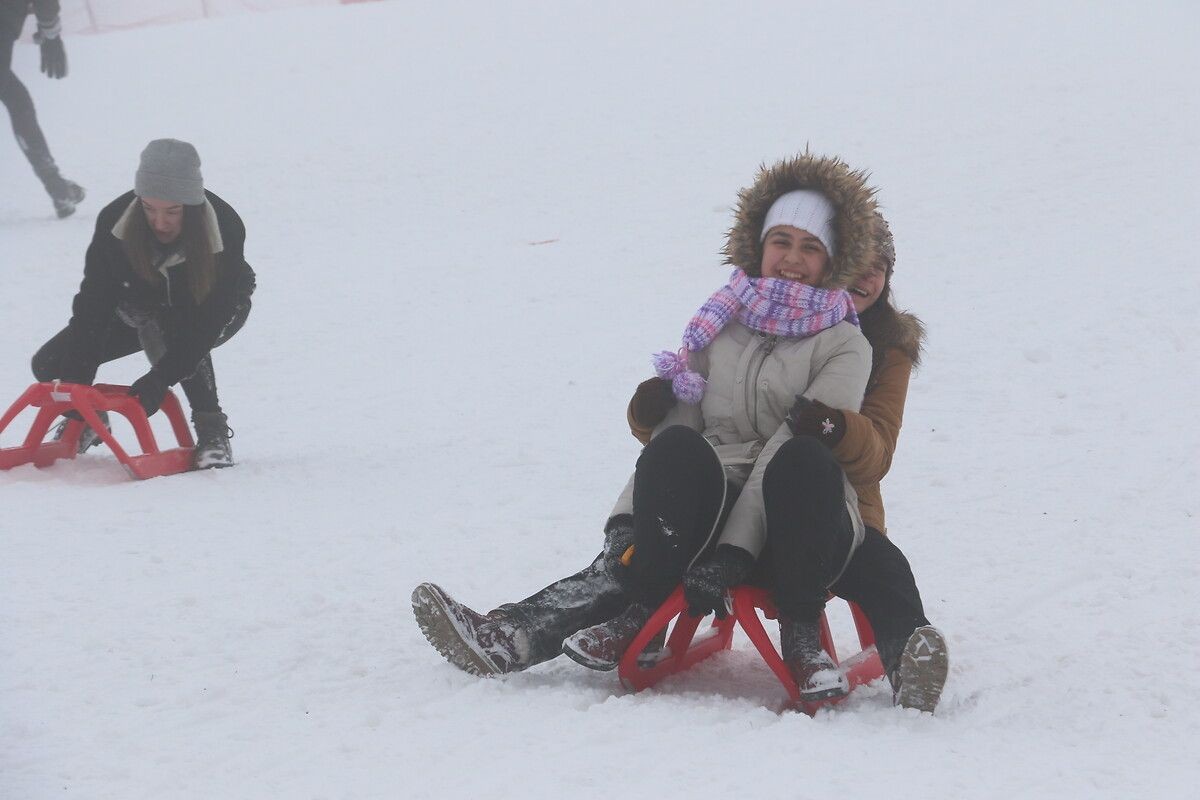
[
  {"x": 679, "y": 496},
  {"x": 119, "y": 341},
  {"x": 880, "y": 580},
  {"x": 516, "y": 636},
  {"x": 914, "y": 653},
  {"x": 201, "y": 386},
  {"x": 47, "y": 365},
  {"x": 809, "y": 537},
  {"x": 29, "y": 135},
  {"x": 809, "y": 531}
]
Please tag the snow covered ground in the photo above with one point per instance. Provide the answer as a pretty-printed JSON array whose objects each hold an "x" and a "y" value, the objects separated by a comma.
[{"x": 472, "y": 225}]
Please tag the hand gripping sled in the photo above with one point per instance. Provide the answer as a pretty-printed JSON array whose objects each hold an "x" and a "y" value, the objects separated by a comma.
[
  {"x": 55, "y": 398},
  {"x": 685, "y": 649}
]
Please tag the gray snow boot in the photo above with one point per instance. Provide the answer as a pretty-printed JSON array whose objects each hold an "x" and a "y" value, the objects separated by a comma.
[
  {"x": 88, "y": 438},
  {"x": 212, "y": 440},
  {"x": 918, "y": 680},
  {"x": 601, "y": 646},
  {"x": 814, "y": 671},
  {"x": 481, "y": 645}
]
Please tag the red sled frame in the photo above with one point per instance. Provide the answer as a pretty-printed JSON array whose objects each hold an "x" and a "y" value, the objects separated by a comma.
[
  {"x": 684, "y": 649},
  {"x": 53, "y": 399}
]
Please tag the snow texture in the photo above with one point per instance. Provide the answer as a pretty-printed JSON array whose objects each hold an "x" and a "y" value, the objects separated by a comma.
[{"x": 472, "y": 226}]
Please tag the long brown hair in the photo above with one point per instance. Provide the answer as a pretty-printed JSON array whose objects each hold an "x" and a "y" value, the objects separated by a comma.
[
  {"x": 201, "y": 264},
  {"x": 883, "y": 324}
]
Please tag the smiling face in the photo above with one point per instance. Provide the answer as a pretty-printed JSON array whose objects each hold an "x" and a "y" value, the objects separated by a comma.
[
  {"x": 165, "y": 218},
  {"x": 794, "y": 255},
  {"x": 866, "y": 290}
]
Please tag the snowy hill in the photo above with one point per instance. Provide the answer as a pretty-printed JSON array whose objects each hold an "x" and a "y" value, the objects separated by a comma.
[{"x": 472, "y": 226}]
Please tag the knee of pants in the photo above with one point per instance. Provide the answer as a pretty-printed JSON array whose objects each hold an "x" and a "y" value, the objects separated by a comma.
[
  {"x": 672, "y": 444},
  {"x": 44, "y": 366},
  {"x": 802, "y": 462}
]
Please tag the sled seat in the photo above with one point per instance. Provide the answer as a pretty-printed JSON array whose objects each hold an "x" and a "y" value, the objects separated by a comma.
[
  {"x": 684, "y": 648},
  {"x": 53, "y": 399}
]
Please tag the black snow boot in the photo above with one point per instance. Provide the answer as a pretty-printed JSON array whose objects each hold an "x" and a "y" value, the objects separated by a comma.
[
  {"x": 66, "y": 196},
  {"x": 568, "y": 605},
  {"x": 475, "y": 643},
  {"x": 212, "y": 440},
  {"x": 601, "y": 646},
  {"x": 814, "y": 671},
  {"x": 918, "y": 675},
  {"x": 88, "y": 438}
]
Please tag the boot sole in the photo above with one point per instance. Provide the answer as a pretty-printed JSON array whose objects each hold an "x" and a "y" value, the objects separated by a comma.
[
  {"x": 924, "y": 665},
  {"x": 823, "y": 694},
  {"x": 438, "y": 624}
]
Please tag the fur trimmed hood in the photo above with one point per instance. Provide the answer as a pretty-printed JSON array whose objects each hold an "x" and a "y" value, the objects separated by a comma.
[{"x": 854, "y": 219}]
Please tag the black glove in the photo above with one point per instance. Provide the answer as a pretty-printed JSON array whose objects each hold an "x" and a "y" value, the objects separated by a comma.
[
  {"x": 814, "y": 418},
  {"x": 150, "y": 389},
  {"x": 706, "y": 585},
  {"x": 618, "y": 537},
  {"x": 54, "y": 55},
  {"x": 651, "y": 402}
]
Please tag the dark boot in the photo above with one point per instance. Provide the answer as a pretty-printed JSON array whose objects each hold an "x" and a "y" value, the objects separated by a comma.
[
  {"x": 601, "y": 646},
  {"x": 817, "y": 677},
  {"x": 88, "y": 438},
  {"x": 66, "y": 195},
  {"x": 478, "y": 644},
  {"x": 212, "y": 440},
  {"x": 578, "y": 601},
  {"x": 918, "y": 678}
]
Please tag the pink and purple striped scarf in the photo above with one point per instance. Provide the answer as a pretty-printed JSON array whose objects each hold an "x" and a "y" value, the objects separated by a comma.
[{"x": 774, "y": 306}]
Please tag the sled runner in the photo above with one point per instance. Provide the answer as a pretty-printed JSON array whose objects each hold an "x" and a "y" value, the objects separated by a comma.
[
  {"x": 55, "y": 398},
  {"x": 684, "y": 648}
]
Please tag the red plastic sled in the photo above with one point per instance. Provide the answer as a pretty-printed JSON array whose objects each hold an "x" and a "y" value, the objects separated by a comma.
[
  {"x": 53, "y": 399},
  {"x": 685, "y": 649}
]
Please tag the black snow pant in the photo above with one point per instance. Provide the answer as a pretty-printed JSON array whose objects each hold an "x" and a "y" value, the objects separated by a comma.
[
  {"x": 125, "y": 338},
  {"x": 568, "y": 605},
  {"x": 809, "y": 536},
  {"x": 25, "y": 126},
  {"x": 681, "y": 501},
  {"x": 881, "y": 581}
]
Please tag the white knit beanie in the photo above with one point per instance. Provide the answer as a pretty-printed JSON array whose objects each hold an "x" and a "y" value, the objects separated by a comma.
[{"x": 805, "y": 209}]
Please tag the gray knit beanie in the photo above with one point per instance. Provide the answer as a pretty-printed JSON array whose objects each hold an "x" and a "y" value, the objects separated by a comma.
[{"x": 170, "y": 170}]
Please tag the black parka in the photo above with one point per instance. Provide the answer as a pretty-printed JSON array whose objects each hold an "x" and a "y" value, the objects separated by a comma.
[{"x": 191, "y": 329}]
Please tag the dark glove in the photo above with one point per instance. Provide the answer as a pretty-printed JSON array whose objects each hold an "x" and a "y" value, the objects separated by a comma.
[
  {"x": 651, "y": 402},
  {"x": 54, "y": 55},
  {"x": 618, "y": 537},
  {"x": 706, "y": 585},
  {"x": 150, "y": 389},
  {"x": 814, "y": 418}
]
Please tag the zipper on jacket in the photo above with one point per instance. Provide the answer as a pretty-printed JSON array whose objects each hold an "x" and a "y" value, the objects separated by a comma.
[{"x": 767, "y": 345}]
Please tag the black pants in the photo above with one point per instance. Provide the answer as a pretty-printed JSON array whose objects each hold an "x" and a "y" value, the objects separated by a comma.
[
  {"x": 881, "y": 581},
  {"x": 25, "y": 126},
  {"x": 122, "y": 339},
  {"x": 681, "y": 501}
]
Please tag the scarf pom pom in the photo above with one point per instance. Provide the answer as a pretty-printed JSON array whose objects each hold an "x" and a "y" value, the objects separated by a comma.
[
  {"x": 667, "y": 364},
  {"x": 688, "y": 387}
]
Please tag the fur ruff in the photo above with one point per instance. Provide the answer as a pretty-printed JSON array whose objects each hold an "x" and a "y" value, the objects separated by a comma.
[{"x": 855, "y": 249}]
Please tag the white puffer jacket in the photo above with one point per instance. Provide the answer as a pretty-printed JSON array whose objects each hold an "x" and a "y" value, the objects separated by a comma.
[{"x": 753, "y": 380}]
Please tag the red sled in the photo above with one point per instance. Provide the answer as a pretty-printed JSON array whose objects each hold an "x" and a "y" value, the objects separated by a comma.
[
  {"x": 54, "y": 399},
  {"x": 683, "y": 648}
]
